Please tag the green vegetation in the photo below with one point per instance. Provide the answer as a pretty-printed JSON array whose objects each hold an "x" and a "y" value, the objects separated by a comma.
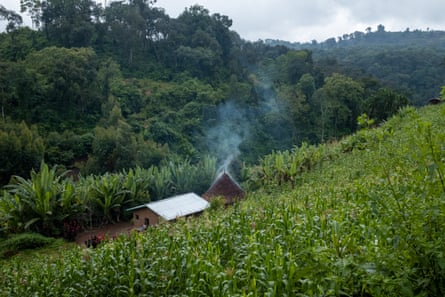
[
  {"x": 360, "y": 217},
  {"x": 106, "y": 89},
  {"x": 401, "y": 60},
  {"x": 105, "y": 108},
  {"x": 23, "y": 241},
  {"x": 54, "y": 205}
]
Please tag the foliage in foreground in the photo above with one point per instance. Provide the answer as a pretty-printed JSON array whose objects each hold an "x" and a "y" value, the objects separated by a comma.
[{"x": 367, "y": 221}]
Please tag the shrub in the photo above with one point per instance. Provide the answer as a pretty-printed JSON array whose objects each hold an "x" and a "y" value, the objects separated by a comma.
[
  {"x": 217, "y": 203},
  {"x": 23, "y": 241}
]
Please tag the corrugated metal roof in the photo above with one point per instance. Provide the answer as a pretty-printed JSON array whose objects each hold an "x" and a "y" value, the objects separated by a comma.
[
  {"x": 137, "y": 207},
  {"x": 177, "y": 206}
]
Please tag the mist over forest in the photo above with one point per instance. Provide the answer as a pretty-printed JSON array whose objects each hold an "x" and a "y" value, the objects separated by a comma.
[{"x": 103, "y": 89}]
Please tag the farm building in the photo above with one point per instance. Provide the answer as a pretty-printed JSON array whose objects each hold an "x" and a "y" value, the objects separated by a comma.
[
  {"x": 226, "y": 187},
  {"x": 168, "y": 209}
]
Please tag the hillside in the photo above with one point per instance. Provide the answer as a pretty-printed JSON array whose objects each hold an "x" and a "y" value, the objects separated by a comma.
[
  {"x": 363, "y": 216},
  {"x": 411, "y": 61},
  {"x": 100, "y": 90}
]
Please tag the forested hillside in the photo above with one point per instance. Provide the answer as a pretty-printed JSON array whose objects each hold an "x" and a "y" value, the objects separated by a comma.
[
  {"x": 412, "y": 61},
  {"x": 101, "y": 89}
]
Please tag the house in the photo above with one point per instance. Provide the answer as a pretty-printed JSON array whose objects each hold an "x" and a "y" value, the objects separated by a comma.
[
  {"x": 168, "y": 209},
  {"x": 226, "y": 187}
]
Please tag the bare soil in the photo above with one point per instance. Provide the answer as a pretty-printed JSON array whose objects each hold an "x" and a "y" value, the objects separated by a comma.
[{"x": 107, "y": 231}]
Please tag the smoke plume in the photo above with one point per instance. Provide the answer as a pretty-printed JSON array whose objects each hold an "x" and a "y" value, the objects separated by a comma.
[{"x": 225, "y": 138}]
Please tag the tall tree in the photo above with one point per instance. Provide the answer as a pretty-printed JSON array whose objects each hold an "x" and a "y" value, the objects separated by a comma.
[
  {"x": 340, "y": 102},
  {"x": 14, "y": 19},
  {"x": 384, "y": 104},
  {"x": 67, "y": 83},
  {"x": 34, "y": 9},
  {"x": 21, "y": 149},
  {"x": 69, "y": 23},
  {"x": 135, "y": 28}
]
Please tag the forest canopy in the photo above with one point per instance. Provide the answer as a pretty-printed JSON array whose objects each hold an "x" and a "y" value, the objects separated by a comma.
[{"x": 104, "y": 89}]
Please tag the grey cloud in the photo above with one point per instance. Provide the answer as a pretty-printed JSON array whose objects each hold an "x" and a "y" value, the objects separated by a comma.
[
  {"x": 296, "y": 20},
  {"x": 399, "y": 11}
]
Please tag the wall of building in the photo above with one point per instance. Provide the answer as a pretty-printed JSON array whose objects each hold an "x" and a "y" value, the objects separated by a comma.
[{"x": 140, "y": 217}]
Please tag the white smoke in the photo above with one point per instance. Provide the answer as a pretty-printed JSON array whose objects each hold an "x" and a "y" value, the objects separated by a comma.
[{"x": 225, "y": 138}]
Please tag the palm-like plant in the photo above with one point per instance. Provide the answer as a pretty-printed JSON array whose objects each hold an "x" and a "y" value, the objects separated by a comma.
[
  {"x": 137, "y": 183},
  {"x": 161, "y": 182},
  {"x": 205, "y": 174},
  {"x": 11, "y": 212},
  {"x": 109, "y": 196},
  {"x": 83, "y": 190},
  {"x": 39, "y": 196},
  {"x": 182, "y": 176}
]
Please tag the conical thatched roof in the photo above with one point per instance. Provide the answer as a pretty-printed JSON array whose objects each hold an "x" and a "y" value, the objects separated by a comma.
[{"x": 224, "y": 186}]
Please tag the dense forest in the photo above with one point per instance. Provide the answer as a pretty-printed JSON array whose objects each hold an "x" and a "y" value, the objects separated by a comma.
[
  {"x": 411, "y": 61},
  {"x": 101, "y": 89}
]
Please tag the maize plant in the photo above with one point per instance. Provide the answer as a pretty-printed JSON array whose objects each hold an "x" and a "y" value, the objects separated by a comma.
[{"x": 367, "y": 223}]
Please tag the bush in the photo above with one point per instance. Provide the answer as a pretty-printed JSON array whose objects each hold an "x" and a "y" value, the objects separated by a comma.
[
  {"x": 23, "y": 241},
  {"x": 217, "y": 203}
]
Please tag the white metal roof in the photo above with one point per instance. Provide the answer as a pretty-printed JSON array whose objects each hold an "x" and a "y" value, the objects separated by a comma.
[{"x": 177, "y": 206}]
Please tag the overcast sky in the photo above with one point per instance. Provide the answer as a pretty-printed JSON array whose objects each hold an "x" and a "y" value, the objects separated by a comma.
[{"x": 306, "y": 20}]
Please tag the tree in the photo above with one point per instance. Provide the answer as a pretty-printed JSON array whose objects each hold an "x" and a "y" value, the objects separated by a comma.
[
  {"x": 306, "y": 85},
  {"x": 16, "y": 45},
  {"x": 109, "y": 73},
  {"x": 384, "y": 104},
  {"x": 205, "y": 43},
  {"x": 380, "y": 28},
  {"x": 113, "y": 146},
  {"x": 134, "y": 29},
  {"x": 21, "y": 149},
  {"x": 67, "y": 23},
  {"x": 34, "y": 9},
  {"x": 6, "y": 87},
  {"x": 293, "y": 65},
  {"x": 296, "y": 107},
  {"x": 66, "y": 81},
  {"x": 14, "y": 19},
  {"x": 340, "y": 102}
]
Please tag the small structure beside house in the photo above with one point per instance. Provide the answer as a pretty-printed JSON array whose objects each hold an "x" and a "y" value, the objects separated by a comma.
[
  {"x": 168, "y": 209},
  {"x": 226, "y": 187}
]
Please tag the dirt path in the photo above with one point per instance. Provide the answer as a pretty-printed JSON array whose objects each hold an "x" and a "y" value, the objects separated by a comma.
[{"x": 110, "y": 231}]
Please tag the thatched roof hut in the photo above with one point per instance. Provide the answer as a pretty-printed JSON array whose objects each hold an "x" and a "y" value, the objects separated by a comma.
[
  {"x": 434, "y": 101},
  {"x": 226, "y": 187}
]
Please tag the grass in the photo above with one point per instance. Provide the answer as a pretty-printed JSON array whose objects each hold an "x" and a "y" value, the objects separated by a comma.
[{"x": 54, "y": 250}]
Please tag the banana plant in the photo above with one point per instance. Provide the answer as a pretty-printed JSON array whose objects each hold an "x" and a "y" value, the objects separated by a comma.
[
  {"x": 182, "y": 175},
  {"x": 161, "y": 182},
  {"x": 12, "y": 213},
  {"x": 137, "y": 182},
  {"x": 109, "y": 196},
  {"x": 40, "y": 195}
]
